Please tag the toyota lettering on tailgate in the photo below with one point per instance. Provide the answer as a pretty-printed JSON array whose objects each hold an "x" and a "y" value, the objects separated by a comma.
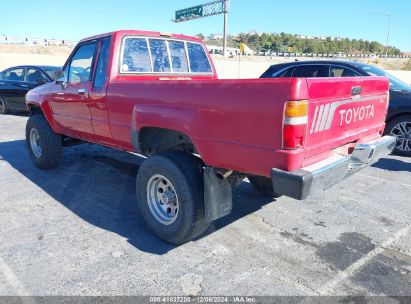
[
  {"x": 356, "y": 114},
  {"x": 324, "y": 114}
]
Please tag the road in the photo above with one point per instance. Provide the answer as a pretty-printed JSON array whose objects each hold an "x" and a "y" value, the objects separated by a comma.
[{"x": 75, "y": 230}]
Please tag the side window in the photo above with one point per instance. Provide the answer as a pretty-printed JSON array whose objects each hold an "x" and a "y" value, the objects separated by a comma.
[
  {"x": 337, "y": 71},
  {"x": 272, "y": 73},
  {"x": 15, "y": 74},
  {"x": 178, "y": 56},
  {"x": 36, "y": 76},
  {"x": 159, "y": 55},
  {"x": 311, "y": 71},
  {"x": 288, "y": 73},
  {"x": 136, "y": 57},
  {"x": 198, "y": 58},
  {"x": 101, "y": 68},
  {"x": 81, "y": 62},
  {"x": 268, "y": 74},
  {"x": 3, "y": 75}
]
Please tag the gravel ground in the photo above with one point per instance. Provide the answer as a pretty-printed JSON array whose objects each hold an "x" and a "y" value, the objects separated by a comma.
[{"x": 75, "y": 230}]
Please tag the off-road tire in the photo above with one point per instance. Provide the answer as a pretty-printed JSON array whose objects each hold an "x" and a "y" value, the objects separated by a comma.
[
  {"x": 184, "y": 171},
  {"x": 263, "y": 185},
  {"x": 49, "y": 142},
  {"x": 389, "y": 131}
]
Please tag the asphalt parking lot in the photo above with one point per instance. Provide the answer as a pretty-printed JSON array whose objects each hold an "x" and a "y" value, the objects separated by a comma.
[{"x": 75, "y": 230}]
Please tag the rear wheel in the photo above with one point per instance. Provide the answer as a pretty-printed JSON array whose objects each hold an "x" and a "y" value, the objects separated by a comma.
[
  {"x": 400, "y": 127},
  {"x": 44, "y": 146},
  {"x": 263, "y": 185},
  {"x": 3, "y": 106},
  {"x": 170, "y": 196}
]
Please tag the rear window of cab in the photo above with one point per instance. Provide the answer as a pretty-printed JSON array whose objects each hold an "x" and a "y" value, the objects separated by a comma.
[{"x": 143, "y": 55}]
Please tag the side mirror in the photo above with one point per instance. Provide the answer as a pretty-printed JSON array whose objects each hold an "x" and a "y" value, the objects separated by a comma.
[
  {"x": 59, "y": 75},
  {"x": 60, "y": 78}
]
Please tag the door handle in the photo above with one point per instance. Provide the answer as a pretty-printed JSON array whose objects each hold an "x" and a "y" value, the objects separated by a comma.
[{"x": 81, "y": 91}]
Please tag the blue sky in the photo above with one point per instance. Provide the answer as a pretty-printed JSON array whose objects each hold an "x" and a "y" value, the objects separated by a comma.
[{"x": 76, "y": 19}]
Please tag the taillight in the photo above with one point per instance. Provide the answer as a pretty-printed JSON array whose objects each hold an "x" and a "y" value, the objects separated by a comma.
[
  {"x": 388, "y": 99},
  {"x": 295, "y": 124}
]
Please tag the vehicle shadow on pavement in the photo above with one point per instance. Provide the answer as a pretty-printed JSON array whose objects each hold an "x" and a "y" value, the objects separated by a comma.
[
  {"x": 393, "y": 164},
  {"x": 17, "y": 113},
  {"x": 98, "y": 185}
]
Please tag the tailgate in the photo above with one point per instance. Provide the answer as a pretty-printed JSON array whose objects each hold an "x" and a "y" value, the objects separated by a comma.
[{"x": 343, "y": 110}]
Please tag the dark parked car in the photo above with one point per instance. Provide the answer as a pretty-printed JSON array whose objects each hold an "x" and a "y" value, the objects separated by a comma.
[
  {"x": 399, "y": 112},
  {"x": 15, "y": 82}
]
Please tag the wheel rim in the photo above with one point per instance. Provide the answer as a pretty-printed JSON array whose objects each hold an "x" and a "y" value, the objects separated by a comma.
[
  {"x": 403, "y": 133},
  {"x": 162, "y": 199},
  {"x": 35, "y": 142}
]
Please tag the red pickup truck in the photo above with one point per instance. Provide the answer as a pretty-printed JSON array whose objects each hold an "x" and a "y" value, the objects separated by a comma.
[{"x": 158, "y": 95}]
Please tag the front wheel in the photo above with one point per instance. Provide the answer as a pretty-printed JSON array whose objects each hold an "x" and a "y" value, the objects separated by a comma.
[
  {"x": 400, "y": 127},
  {"x": 44, "y": 146},
  {"x": 263, "y": 185},
  {"x": 170, "y": 196},
  {"x": 3, "y": 106}
]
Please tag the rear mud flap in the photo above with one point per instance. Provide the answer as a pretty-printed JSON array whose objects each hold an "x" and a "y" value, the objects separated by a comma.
[{"x": 218, "y": 195}]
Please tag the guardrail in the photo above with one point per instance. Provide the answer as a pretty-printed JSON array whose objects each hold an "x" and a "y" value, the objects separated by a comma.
[
  {"x": 371, "y": 56},
  {"x": 36, "y": 41}
]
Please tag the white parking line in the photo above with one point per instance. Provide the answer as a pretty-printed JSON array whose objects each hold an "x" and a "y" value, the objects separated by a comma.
[
  {"x": 309, "y": 291},
  {"x": 328, "y": 288},
  {"x": 15, "y": 283},
  {"x": 383, "y": 179}
]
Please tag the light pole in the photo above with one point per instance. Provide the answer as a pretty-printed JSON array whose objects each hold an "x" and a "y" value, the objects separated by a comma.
[
  {"x": 388, "y": 31},
  {"x": 225, "y": 9}
]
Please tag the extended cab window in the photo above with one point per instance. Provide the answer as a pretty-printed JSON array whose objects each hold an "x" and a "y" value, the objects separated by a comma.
[
  {"x": 178, "y": 56},
  {"x": 80, "y": 65},
  {"x": 136, "y": 57},
  {"x": 159, "y": 54},
  {"x": 198, "y": 58},
  {"x": 154, "y": 55}
]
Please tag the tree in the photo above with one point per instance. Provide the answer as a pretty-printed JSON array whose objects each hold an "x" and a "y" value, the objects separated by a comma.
[
  {"x": 284, "y": 42},
  {"x": 243, "y": 37},
  {"x": 375, "y": 47}
]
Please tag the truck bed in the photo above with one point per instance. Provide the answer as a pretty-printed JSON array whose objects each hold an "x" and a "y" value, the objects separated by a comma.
[{"x": 237, "y": 124}]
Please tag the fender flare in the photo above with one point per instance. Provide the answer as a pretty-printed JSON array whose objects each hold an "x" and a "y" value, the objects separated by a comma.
[
  {"x": 152, "y": 116},
  {"x": 45, "y": 110}
]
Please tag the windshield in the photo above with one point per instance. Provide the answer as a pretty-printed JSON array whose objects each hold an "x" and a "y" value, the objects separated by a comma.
[{"x": 395, "y": 83}]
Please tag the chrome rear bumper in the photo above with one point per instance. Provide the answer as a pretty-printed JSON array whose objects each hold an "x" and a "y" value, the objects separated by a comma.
[{"x": 301, "y": 183}]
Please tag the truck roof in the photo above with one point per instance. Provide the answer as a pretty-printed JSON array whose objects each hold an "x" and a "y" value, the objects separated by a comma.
[{"x": 144, "y": 33}]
